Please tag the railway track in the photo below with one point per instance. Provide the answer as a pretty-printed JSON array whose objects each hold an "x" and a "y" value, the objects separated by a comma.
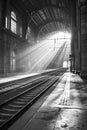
[
  {"x": 14, "y": 107},
  {"x": 27, "y": 79},
  {"x": 19, "y": 87},
  {"x": 20, "y": 82}
]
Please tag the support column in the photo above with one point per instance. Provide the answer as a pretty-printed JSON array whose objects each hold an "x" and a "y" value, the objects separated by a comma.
[
  {"x": 4, "y": 44},
  {"x": 74, "y": 42},
  {"x": 77, "y": 40},
  {"x": 83, "y": 38},
  {"x": 4, "y": 11},
  {"x": 73, "y": 24}
]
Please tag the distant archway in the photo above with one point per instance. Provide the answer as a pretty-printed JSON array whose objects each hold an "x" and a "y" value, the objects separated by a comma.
[{"x": 65, "y": 64}]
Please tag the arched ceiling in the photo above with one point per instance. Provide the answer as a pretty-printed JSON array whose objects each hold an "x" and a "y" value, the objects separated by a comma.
[
  {"x": 48, "y": 15},
  {"x": 52, "y": 27}
]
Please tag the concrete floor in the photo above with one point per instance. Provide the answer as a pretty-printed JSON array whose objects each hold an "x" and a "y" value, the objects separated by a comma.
[{"x": 64, "y": 109}]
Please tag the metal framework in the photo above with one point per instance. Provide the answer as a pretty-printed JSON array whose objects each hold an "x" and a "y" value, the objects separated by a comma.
[{"x": 51, "y": 14}]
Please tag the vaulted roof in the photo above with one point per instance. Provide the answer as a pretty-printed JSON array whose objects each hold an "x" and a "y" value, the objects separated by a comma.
[{"x": 48, "y": 15}]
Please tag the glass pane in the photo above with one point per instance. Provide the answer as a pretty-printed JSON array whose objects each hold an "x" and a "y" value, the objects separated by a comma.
[
  {"x": 13, "y": 26},
  {"x": 13, "y": 15},
  {"x": 6, "y": 22}
]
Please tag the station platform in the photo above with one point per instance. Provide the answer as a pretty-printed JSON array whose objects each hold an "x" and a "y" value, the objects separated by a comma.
[
  {"x": 17, "y": 76},
  {"x": 65, "y": 108},
  {"x": 9, "y": 79}
]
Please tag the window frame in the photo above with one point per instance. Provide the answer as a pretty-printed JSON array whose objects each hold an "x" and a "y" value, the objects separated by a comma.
[
  {"x": 18, "y": 21},
  {"x": 14, "y": 20}
]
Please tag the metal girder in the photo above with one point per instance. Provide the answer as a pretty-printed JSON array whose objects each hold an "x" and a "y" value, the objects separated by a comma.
[
  {"x": 48, "y": 26},
  {"x": 48, "y": 14},
  {"x": 60, "y": 20}
]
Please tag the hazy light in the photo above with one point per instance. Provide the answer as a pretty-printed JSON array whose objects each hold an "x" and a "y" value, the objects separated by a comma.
[{"x": 39, "y": 56}]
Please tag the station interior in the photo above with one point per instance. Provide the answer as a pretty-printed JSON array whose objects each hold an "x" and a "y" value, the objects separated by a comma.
[{"x": 43, "y": 64}]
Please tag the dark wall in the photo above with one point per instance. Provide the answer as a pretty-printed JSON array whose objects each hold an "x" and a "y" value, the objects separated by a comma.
[
  {"x": 10, "y": 43},
  {"x": 83, "y": 10},
  {"x": 0, "y": 11}
]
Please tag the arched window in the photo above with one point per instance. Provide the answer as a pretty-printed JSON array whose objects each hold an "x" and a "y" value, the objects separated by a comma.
[{"x": 13, "y": 22}]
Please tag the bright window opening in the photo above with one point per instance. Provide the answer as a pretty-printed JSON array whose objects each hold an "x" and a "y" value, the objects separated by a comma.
[
  {"x": 13, "y": 22},
  {"x": 6, "y": 22},
  {"x": 65, "y": 64}
]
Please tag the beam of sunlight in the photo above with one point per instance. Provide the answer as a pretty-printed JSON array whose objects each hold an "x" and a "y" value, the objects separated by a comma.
[{"x": 40, "y": 56}]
